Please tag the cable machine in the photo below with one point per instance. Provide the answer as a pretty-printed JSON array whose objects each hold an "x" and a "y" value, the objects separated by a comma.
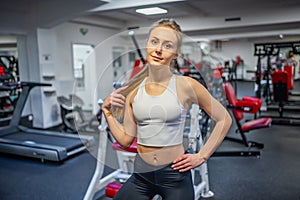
[{"x": 278, "y": 79}]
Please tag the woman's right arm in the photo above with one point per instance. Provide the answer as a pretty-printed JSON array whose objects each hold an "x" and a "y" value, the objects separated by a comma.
[{"x": 124, "y": 133}]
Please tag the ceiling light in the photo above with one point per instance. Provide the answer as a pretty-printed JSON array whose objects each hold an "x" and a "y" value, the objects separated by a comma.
[{"x": 151, "y": 11}]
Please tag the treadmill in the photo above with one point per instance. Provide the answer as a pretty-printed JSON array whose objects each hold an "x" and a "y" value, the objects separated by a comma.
[{"x": 42, "y": 144}]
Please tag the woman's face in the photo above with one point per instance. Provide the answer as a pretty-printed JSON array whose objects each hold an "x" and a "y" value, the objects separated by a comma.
[{"x": 162, "y": 46}]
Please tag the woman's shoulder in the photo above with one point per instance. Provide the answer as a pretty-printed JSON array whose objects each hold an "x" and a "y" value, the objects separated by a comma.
[
  {"x": 184, "y": 80},
  {"x": 188, "y": 83}
]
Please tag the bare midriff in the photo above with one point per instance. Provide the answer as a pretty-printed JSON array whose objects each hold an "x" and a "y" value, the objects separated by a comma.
[{"x": 160, "y": 155}]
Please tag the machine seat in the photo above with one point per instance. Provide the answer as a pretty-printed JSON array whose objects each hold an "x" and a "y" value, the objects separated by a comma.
[
  {"x": 112, "y": 189},
  {"x": 256, "y": 124},
  {"x": 280, "y": 86},
  {"x": 132, "y": 148},
  {"x": 251, "y": 104}
]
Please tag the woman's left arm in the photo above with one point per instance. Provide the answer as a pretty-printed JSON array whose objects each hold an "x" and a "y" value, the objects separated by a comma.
[{"x": 200, "y": 95}]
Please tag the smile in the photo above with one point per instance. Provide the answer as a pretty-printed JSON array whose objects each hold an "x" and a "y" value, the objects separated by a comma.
[{"x": 156, "y": 58}]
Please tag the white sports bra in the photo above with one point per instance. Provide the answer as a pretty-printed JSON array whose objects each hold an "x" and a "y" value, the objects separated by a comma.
[{"x": 160, "y": 119}]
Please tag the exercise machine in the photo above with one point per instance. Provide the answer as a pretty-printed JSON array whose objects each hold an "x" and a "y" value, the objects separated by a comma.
[
  {"x": 214, "y": 84},
  {"x": 98, "y": 181},
  {"x": 8, "y": 69},
  {"x": 245, "y": 105},
  {"x": 45, "y": 145},
  {"x": 112, "y": 182},
  {"x": 8, "y": 97},
  {"x": 6, "y": 106},
  {"x": 279, "y": 81},
  {"x": 73, "y": 116}
]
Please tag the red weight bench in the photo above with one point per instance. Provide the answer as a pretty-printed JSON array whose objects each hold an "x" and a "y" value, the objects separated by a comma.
[
  {"x": 112, "y": 189},
  {"x": 245, "y": 105}
]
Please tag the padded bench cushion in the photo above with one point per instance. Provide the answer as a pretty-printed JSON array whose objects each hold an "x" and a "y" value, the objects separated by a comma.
[
  {"x": 112, "y": 189},
  {"x": 256, "y": 124},
  {"x": 280, "y": 86},
  {"x": 252, "y": 103},
  {"x": 132, "y": 148}
]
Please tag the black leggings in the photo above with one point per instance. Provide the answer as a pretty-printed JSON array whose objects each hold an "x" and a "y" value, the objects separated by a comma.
[{"x": 148, "y": 180}]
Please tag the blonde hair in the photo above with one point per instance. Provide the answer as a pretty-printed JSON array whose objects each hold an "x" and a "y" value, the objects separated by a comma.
[{"x": 137, "y": 79}]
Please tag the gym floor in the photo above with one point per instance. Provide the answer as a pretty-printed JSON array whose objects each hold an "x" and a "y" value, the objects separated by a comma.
[{"x": 275, "y": 175}]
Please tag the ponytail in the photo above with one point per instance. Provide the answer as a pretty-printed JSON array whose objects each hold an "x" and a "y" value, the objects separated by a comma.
[{"x": 133, "y": 83}]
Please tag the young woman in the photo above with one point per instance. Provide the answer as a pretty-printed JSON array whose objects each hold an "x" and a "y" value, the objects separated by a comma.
[{"x": 155, "y": 104}]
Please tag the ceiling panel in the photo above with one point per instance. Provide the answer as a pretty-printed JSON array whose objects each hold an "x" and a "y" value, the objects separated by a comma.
[{"x": 255, "y": 15}]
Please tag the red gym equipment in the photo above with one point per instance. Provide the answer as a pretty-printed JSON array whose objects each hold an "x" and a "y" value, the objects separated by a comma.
[
  {"x": 280, "y": 89},
  {"x": 283, "y": 83},
  {"x": 290, "y": 76},
  {"x": 239, "y": 107},
  {"x": 279, "y": 82},
  {"x": 138, "y": 66}
]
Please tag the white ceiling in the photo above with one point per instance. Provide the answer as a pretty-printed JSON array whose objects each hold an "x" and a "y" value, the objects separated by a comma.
[
  {"x": 198, "y": 18},
  {"x": 208, "y": 18},
  {"x": 125, "y": 11}
]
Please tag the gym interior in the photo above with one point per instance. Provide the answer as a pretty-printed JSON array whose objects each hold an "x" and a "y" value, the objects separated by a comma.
[{"x": 60, "y": 59}]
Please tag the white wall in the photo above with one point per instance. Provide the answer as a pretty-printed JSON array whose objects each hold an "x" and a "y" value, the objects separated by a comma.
[
  {"x": 243, "y": 48},
  {"x": 47, "y": 61},
  {"x": 102, "y": 73}
]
